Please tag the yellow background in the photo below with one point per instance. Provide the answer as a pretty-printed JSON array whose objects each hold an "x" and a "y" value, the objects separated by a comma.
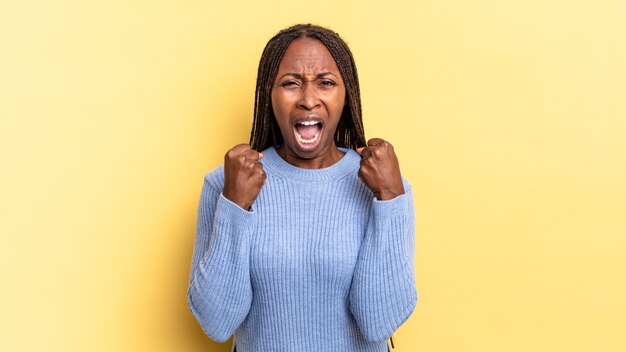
[{"x": 509, "y": 118}]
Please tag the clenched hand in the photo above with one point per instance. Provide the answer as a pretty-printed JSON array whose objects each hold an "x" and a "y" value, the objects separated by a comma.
[
  {"x": 243, "y": 175},
  {"x": 380, "y": 170}
]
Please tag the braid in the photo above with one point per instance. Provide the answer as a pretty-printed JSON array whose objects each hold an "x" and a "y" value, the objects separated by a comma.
[{"x": 265, "y": 131}]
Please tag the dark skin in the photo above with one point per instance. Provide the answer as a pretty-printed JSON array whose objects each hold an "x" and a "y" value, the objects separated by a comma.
[
  {"x": 309, "y": 87},
  {"x": 380, "y": 169},
  {"x": 243, "y": 175}
]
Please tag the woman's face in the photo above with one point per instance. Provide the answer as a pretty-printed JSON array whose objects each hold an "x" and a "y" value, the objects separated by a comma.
[{"x": 308, "y": 97}]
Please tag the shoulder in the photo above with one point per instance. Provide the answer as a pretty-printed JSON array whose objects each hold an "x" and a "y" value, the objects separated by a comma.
[
  {"x": 353, "y": 159},
  {"x": 406, "y": 184},
  {"x": 215, "y": 178}
]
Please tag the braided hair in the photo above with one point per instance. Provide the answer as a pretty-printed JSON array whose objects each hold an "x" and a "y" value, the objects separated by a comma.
[{"x": 265, "y": 131}]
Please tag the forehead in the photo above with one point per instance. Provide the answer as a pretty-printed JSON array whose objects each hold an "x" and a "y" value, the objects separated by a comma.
[{"x": 307, "y": 53}]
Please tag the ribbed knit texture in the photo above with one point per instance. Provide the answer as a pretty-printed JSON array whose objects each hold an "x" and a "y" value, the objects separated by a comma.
[{"x": 318, "y": 264}]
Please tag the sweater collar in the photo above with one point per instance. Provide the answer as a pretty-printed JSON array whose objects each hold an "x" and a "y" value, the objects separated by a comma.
[{"x": 348, "y": 164}]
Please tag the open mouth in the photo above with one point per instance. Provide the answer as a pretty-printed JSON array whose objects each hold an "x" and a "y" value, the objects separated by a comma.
[{"x": 308, "y": 133}]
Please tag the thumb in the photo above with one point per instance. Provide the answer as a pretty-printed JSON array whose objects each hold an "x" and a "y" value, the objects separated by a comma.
[{"x": 360, "y": 150}]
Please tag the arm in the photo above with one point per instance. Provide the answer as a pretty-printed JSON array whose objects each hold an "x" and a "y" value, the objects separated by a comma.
[
  {"x": 220, "y": 292},
  {"x": 383, "y": 293}
]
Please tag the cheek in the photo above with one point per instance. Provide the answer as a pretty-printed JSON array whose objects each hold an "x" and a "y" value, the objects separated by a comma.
[
  {"x": 340, "y": 103},
  {"x": 281, "y": 113},
  {"x": 278, "y": 104},
  {"x": 342, "y": 97}
]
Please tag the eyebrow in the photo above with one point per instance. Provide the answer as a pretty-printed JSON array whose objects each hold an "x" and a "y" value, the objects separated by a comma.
[{"x": 299, "y": 76}]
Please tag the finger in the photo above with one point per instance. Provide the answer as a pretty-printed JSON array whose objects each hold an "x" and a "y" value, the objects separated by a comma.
[
  {"x": 260, "y": 176},
  {"x": 253, "y": 165},
  {"x": 235, "y": 152},
  {"x": 365, "y": 152},
  {"x": 375, "y": 142},
  {"x": 241, "y": 148},
  {"x": 261, "y": 173},
  {"x": 257, "y": 172},
  {"x": 377, "y": 152},
  {"x": 360, "y": 150},
  {"x": 241, "y": 160},
  {"x": 252, "y": 154},
  {"x": 363, "y": 174}
]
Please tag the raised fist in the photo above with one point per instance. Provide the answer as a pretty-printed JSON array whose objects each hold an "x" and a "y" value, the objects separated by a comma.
[
  {"x": 380, "y": 170},
  {"x": 243, "y": 175}
]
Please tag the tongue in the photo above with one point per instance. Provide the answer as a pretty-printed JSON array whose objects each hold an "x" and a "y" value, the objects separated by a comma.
[{"x": 307, "y": 132}]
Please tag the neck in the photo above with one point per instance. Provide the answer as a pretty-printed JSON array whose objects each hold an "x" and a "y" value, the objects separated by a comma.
[{"x": 324, "y": 159}]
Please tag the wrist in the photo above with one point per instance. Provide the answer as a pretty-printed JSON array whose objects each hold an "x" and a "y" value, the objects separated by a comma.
[
  {"x": 388, "y": 195},
  {"x": 245, "y": 205}
]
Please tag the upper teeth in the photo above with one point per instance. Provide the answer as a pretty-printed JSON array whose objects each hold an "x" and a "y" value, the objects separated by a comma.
[{"x": 309, "y": 123}]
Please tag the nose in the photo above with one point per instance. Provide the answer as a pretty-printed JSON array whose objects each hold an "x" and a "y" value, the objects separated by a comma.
[{"x": 309, "y": 98}]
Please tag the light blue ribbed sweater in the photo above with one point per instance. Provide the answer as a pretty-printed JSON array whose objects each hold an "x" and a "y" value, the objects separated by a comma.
[{"x": 318, "y": 264}]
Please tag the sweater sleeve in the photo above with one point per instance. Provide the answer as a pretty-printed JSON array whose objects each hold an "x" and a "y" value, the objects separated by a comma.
[
  {"x": 383, "y": 293},
  {"x": 220, "y": 292}
]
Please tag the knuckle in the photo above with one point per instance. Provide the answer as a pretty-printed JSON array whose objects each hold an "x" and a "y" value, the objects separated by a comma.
[
  {"x": 236, "y": 150},
  {"x": 375, "y": 141}
]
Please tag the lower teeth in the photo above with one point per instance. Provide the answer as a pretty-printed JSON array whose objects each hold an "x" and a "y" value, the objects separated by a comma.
[{"x": 307, "y": 141}]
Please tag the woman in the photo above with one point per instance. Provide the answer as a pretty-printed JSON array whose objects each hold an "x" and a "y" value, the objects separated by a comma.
[{"x": 308, "y": 244}]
